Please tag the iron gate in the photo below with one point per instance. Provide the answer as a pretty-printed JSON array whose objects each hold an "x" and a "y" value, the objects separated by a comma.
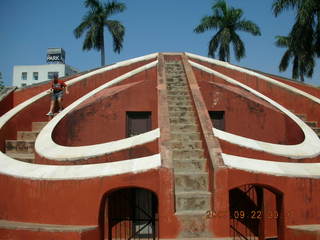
[
  {"x": 255, "y": 213},
  {"x": 133, "y": 214}
]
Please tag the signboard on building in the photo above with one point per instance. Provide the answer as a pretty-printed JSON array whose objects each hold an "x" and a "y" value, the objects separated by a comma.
[{"x": 55, "y": 55}]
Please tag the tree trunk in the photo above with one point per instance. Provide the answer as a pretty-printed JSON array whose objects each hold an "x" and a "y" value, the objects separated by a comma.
[{"x": 102, "y": 50}]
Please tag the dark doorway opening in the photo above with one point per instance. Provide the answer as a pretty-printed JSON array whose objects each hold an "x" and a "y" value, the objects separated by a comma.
[
  {"x": 131, "y": 213},
  {"x": 138, "y": 122},
  {"x": 256, "y": 213},
  {"x": 217, "y": 119}
]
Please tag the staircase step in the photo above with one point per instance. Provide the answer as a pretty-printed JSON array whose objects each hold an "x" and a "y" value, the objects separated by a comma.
[
  {"x": 317, "y": 130},
  {"x": 179, "y": 98},
  {"x": 5, "y": 224},
  {"x": 182, "y": 119},
  {"x": 189, "y": 165},
  {"x": 178, "y": 85},
  {"x": 195, "y": 181},
  {"x": 20, "y": 146},
  {"x": 193, "y": 201},
  {"x": 182, "y": 114},
  {"x": 301, "y": 116},
  {"x": 190, "y": 145},
  {"x": 181, "y": 109},
  {"x": 25, "y": 157},
  {"x": 179, "y": 103},
  {"x": 311, "y": 124},
  {"x": 37, "y": 126},
  {"x": 187, "y": 154},
  {"x": 184, "y": 127},
  {"x": 194, "y": 225},
  {"x": 178, "y": 88},
  {"x": 27, "y": 135},
  {"x": 177, "y": 93},
  {"x": 184, "y": 136},
  {"x": 175, "y": 79}
]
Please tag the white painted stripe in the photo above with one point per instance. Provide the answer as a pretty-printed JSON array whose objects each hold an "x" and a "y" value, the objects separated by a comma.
[
  {"x": 111, "y": 67},
  {"x": 310, "y": 147},
  {"x": 12, "y": 167},
  {"x": 47, "y": 148},
  {"x": 303, "y": 170},
  {"x": 268, "y": 79},
  {"x": 7, "y": 116},
  {"x": 53, "y": 151}
]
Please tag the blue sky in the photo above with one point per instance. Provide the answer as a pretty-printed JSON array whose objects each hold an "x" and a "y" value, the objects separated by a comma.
[{"x": 28, "y": 28}]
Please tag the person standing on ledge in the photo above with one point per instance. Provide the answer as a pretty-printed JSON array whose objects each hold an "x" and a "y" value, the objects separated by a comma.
[{"x": 57, "y": 88}]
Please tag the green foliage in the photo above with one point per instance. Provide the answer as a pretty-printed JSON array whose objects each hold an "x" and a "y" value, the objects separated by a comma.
[
  {"x": 303, "y": 41},
  {"x": 227, "y": 21},
  {"x": 94, "y": 22},
  {"x": 1, "y": 82}
]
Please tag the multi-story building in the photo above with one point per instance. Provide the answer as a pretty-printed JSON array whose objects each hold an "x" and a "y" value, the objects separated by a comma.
[
  {"x": 24, "y": 75},
  {"x": 165, "y": 146}
]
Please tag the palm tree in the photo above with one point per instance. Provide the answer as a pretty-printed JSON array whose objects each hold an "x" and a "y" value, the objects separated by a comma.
[
  {"x": 304, "y": 36},
  {"x": 93, "y": 24},
  {"x": 303, "y": 61},
  {"x": 227, "y": 21},
  {"x": 308, "y": 14}
]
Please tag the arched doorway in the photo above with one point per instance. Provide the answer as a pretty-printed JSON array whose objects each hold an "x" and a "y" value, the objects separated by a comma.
[
  {"x": 131, "y": 213},
  {"x": 256, "y": 213}
]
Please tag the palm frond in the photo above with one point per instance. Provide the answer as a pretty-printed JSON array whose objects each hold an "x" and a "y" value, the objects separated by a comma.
[
  {"x": 295, "y": 68},
  {"x": 249, "y": 26},
  {"x": 114, "y": 8},
  {"x": 220, "y": 8},
  {"x": 117, "y": 31},
  {"x": 282, "y": 41},
  {"x": 238, "y": 46},
  {"x": 284, "y": 63},
  {"x": 87, "y": 22},
  {"x": 207, "y": 23},
  {"x": 279, "y": 6},
  {"x": 213, "y": 45},
  {"x": 92, "y": 4}
]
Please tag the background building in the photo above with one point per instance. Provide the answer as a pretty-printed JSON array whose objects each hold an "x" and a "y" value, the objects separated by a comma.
[{"x": 33, "y": 74}]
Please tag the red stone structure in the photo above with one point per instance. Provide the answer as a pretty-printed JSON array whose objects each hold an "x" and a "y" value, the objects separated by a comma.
[{"x": 164, "y": 146}]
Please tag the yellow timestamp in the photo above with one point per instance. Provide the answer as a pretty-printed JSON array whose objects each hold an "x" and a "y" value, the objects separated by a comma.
[
  {"x": 255, "y": 214},
  {"x": 248, "y": 214}
]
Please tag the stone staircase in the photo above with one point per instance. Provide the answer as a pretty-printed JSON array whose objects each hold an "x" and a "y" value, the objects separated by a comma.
[
  {"x": 23, "y": 148},
  {"x": 192, "y": 197},
  {"x": 312, "y": 124}
]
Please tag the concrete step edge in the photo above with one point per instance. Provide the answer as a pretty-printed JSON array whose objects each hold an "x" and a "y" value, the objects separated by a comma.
[
  {"x": 31, "y": 135},
  {"x": 26, "y": 156},
  {"x": 191, "y": 174},
  {"x": 26, "y": 141},
  {"x": 38, "y": 125},
  {"x": 4, "y": 224},
  {"x": 202, "y": 160},
  {"x": 191, "y": 141},
  {"x": 193, "y": 193},
  {"x": 191, "y": 213}
]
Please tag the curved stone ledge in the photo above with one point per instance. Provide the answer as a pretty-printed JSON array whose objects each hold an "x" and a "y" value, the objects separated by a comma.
[
  {"x": 309, "y": 148},
  {"x": 12, "y": 167},
  {"x": 47, "y": 148},
  {"x": 243, "y": 70},
  {"x": 7, "y": 116},
  {"x": 297, "y": 170}
]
